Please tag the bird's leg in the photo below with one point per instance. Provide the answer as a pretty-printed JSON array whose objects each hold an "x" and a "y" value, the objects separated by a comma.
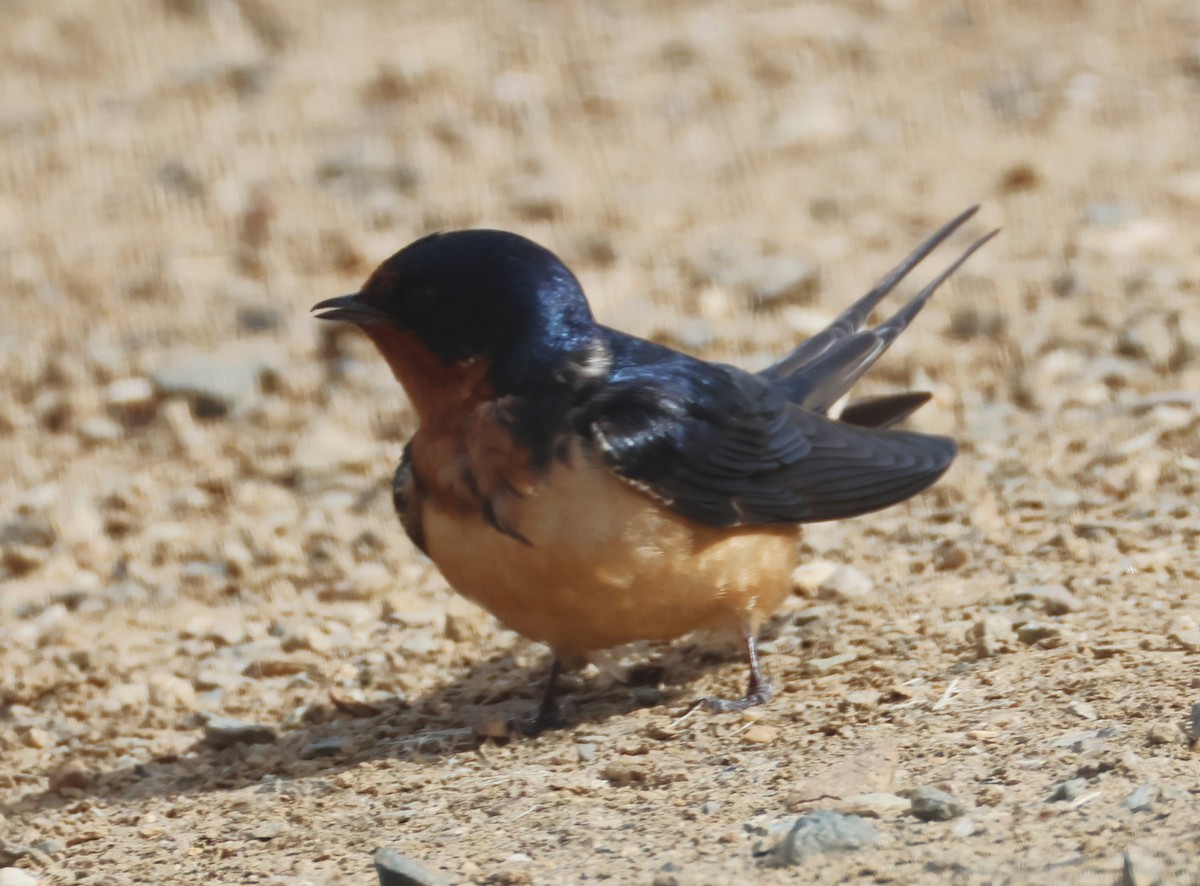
[
  {"x": 757, "y": 692},
  {"x": 547, "y": 715}
]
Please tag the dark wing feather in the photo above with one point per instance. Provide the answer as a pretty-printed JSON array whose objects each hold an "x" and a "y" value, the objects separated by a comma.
[
  {"x": 853, "y": 318},
  {"x": 726, "y": 448},
  {"x": 883, "y": 412},
  {"x": 830, "y": 374}
]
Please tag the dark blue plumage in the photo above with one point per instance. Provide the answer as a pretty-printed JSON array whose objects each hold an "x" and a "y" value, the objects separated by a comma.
[
  {"x": 726, "y": 447},
  {"x": 488, "y": 294},
  {"x": 719, "y": 445}
]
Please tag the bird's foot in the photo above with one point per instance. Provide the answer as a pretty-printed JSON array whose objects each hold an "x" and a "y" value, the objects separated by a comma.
[
  {"x": 549, "y": 714},
  {"x": 760, "y": 694},
  {"x": 542, "y": 720},
  {"x": 759, "y": 690}
]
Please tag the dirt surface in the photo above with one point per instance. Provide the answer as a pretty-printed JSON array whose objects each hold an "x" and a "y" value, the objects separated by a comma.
[{"x": 194, "y": 516}]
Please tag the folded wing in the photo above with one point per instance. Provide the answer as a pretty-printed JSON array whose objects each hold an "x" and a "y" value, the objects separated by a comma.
[{"x": 727, "y": 448}]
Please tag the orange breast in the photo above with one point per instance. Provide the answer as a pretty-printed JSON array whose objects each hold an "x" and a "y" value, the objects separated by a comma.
[{"x": 608, "y": 565}]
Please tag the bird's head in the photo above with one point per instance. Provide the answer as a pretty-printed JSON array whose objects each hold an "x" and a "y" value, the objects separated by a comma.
[{"x": 486, "y": 298}]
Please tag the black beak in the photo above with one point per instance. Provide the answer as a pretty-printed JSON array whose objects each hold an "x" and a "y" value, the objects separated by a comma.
[{"x": 350, "y": 308}]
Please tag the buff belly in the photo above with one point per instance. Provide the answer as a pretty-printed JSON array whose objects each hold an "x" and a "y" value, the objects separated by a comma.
[{"x": 608, "y": 565}]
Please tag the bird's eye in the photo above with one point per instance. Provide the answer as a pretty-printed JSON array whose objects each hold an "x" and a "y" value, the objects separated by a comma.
[{"x": 420, "y": 299}]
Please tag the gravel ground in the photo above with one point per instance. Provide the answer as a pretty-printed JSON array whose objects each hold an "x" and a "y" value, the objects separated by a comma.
[{"x": 221, "y": 661}]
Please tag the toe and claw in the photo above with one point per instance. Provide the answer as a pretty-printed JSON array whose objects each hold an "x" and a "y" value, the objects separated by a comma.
[
  {"x": 759, "y": 691},
  {"x": 549, "y": 713}
]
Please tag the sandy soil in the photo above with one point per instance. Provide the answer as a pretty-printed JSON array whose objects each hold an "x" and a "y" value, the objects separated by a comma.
[{"x": 193, "y": 507}]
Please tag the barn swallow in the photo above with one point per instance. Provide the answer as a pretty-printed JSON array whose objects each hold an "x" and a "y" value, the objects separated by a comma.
[{"x": 591, "y": 488}]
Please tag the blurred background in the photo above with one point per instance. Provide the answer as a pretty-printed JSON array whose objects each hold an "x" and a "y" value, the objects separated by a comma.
[{"x": 193, "y": 473}]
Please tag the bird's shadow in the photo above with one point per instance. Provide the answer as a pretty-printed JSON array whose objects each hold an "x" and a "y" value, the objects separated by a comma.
[{"x": 459, "y": 715}]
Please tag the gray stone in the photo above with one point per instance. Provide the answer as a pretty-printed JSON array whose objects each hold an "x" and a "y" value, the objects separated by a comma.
[
  {"x": 396, "y": 870},
  {"x": 327, "y": 450},
  {"x": 845, "y": 584},
  {"x": 1142, "y": 799},
  {"x": 1068, "y": 790},
  {"x": 214, "y": 385},
  {"x": 689, "y": 333},
  {"x": 781, "y": 280},
  {"x": 132, "y": 400},
  {"x": 1159, "y": 734},
  {"x": 323, "y": 747},
  {"x": 366, "y": 167},
  {"x": 1195, "y": 722},
  {"x": 1055, "y": 599},
  {"x": 28, "y": 529},
  {"x": 537, "y": 198},
  {"x": 991, "y": 635},
  {"x": 818, "y": 833},
  {"x": 225, "y": 732},
  {"x": 1036, "y": 631},
  {"x": 770, "y": 281},
  {"x": 1091, "y": 741},
  {"x": 1185, "y": 187},
  {"x": 1189, "y": 640},
  {"x": 930, "y": 804},
  {"x": 1140, "y": 868},
  {"x": 99, "y": 429},
  {"x": 1109, "y": 214},
  {"x": 818, "y": 123},
  {"x": 260, "y": 318},
  {"x": 1084, "y": 709}
]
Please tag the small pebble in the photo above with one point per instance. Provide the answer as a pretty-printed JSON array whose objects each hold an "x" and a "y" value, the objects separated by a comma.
[
  {"x": 1054, "y": 599},
  {"x": 225, "y": 732},
  {"x": 132, "y": 400},
  {"x": 807, "y": 578},
  {"x": 1188, "y": 639},
  {"x": 17, "y": 877},
  {"x": 323, "y": 747},
  {"x": 832, "y": 663},
  {"x": 99, "y": 429},
  {"x": 818, "y": 833},
  {"x": 1140, "y": 868},
  {"x": 1142, "y": 799},
  {"x": 816, "y": 123},
  {"x": 963, "y": 828},
  {"x": 1084, "y": 709},
  {"x": 1068, "y": 790},
  {"x": 170, "y": 691},
  {"x": 844, "y": 585},
  {"x": 862, "y": 698},
  {"x": 949, "y": 555},
  {"x": 991, "y": 635},
  {"x": 761, "y": 734},
  {"x": 393, "y": 869},
  {"x": 72, "y": 775},
  {"x": 1195, "y": 722},
  {"x": 215, "y": 385},
  {"x": 1036, "y": 631},
  {"x": 781, "y": 280},
  {"x": 874, "y": 805},
  {"x": 1160, "y": 734},
  {"x": 930, "y": 804}
]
